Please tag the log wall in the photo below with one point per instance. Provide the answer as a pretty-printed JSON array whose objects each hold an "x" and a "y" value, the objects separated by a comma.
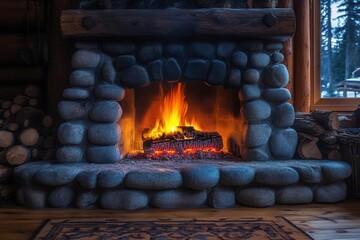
[{"x": 23, "y": 45}]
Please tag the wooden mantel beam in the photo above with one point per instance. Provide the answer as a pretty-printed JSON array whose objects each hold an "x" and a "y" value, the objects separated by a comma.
[{"x": 249, "y": 23}]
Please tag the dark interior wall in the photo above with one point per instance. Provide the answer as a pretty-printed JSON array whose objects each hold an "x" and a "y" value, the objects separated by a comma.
[
  {"x": 23, "y": 45},
  {"x": 32, "y": 50},
  {"x": 60, "y": 52}
]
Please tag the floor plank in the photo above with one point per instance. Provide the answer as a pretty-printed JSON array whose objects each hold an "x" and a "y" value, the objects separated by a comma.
[{"x": 320, "y": 221}]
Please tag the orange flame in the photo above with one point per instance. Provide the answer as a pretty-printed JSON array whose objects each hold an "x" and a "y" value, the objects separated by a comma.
[{"x": 173, "y": 113}]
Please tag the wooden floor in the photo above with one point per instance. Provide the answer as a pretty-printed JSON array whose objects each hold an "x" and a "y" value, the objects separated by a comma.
[{"x": 321, "y": 221}]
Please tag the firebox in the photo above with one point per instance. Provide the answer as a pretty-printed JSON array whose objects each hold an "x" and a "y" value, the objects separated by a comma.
[
  {"x": 253, "y": 116},
  {"x": 174, "y": 108}
]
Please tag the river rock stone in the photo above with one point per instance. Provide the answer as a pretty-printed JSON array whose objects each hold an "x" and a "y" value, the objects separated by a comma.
[
  {"x": 110, "y": 178},
  {"x": 221, "y": 197},
  {"x": 259, "y": 60},
  {"x": 135, "y": 76},
  {"x": 153, "y": 179},
  {"x": 85, "y": 59},
  {"x": 71, "y": 110},
  {"x": 86, "y": 45},
  {"x": 82, "y": 78},
  {"x": 236, "y": 175},
  {"x": 336, "y": 171},
  {"x": 283, "y": 115},
  {"x": 257, "y": 135},
  {"x": 310, "y": 174},
  {"x": 256, "y": 197},
  {"x": 24, "y": 174},
  {"x": 124, "y": 199},
  {"x": 200, "y": 177},
  {"x": 277, "y": 95},
  {"x": 256, "y": 110},
  {"x": 108, "y": 72},
  {"x": 156, "y": 71},
  {"x": 104, "y": 134},
  {"x": 251, "y": 45},
  {"x": 175, "y": 50},
  {"x": 57, "y": 175},
  {"x": 274, "y": 46},
  {"x": 102, "y": 154},
  {"x": 124, "y": 61},
  {"x": 277, "y": 140},
  {"x": 276, "y": 76},
  {"x": 196, "y": 69},
  {"x": 202, "y": 50},
  {"x": 224, "y": 49},
  {"x": 172, "y": 70},
  {"x": 32, "y": 197},
  {"x": 178, "y": 198},
  {"x": 109, "y": 91},
  {"x": 88, "y": 179},
  {"x": 277, "y": 57},
  {"x": 249, "y": 92},
  {"x": 239, "y": 59},
  {"x": 294, "y": 195},
  {"x": 255, "y": 154},
  {"x": 330, "y": 193},
  {"x": 76, "y": 93},
  {"x": 234, "y": 80},
  {"x": 61, "y": 197},
  {"x": 251, "y": 75},
  {"x": 276, "y": 176},
  {"x": 118, "y": 48},
  {"x": 71, "y": 133},
  {"x": 217, "y": 73},
  {"x": 88, "y": 199},
  {"x": 106, "y": 111},
  {"x": 150, "y": 52},
  {"x": 70, "y": 154}
]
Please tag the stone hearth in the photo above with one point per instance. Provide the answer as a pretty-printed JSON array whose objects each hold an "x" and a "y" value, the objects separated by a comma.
[
  {"x": 137, "y": 184},
  {"x": 240, "y": 50}
]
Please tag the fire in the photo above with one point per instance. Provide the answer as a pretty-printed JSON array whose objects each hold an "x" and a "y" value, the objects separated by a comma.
[{"x": 173, "y": 112}]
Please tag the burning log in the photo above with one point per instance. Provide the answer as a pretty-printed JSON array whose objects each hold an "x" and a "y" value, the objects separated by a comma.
[{"x": 186, "y": 139}]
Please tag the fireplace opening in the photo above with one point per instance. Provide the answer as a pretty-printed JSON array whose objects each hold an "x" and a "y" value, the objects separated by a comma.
[{"x": 178, "y": 120}]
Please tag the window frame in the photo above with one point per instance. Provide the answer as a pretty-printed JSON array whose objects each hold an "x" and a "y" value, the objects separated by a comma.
[{"x": 316, "y": 102}]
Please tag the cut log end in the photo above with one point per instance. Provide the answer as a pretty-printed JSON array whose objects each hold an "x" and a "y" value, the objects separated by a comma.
[
  {"x": 29, "y": 137},
  {"x": 6, "y": 139},
  {"x": 17, "y": 155},
  {"x": 307, "y": 148}
]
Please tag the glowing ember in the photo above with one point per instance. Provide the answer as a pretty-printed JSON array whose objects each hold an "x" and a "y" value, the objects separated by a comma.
[{"x": 173, "y": 112}]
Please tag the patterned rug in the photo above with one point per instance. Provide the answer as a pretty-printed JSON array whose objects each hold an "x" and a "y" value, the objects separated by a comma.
[{"x": 105, "y": 229}]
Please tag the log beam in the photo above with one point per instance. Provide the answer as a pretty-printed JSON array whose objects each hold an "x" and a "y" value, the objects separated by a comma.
[{"x": 249, "y": 23}]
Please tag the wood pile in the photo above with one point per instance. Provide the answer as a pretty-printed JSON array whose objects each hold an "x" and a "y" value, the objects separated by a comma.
[
  {"x": 187, "y": 138},
  {"x": 318, "y": 135},
  {"x": 26, "y": 134}
]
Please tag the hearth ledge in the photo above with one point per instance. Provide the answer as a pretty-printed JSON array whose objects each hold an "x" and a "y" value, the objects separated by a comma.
[{"x": 188, "y": 184}]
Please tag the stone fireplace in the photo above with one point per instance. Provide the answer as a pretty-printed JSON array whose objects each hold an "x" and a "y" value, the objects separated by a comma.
[{"x": 230, "y": 62}]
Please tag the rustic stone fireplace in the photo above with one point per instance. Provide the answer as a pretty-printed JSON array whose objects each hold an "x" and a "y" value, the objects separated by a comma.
[{"x": 119, "y": 76}]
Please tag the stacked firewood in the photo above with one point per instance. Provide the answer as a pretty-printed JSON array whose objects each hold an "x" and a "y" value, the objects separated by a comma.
[
  {"x": 318, "y": 135},
  {"x": 26, "y": 134}
]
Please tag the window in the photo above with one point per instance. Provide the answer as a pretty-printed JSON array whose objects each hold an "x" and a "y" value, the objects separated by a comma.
[{"x": 335, "y": 53}]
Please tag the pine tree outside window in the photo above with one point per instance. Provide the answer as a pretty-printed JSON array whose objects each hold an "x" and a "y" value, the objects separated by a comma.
[{"x": 336, "y": 54}]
